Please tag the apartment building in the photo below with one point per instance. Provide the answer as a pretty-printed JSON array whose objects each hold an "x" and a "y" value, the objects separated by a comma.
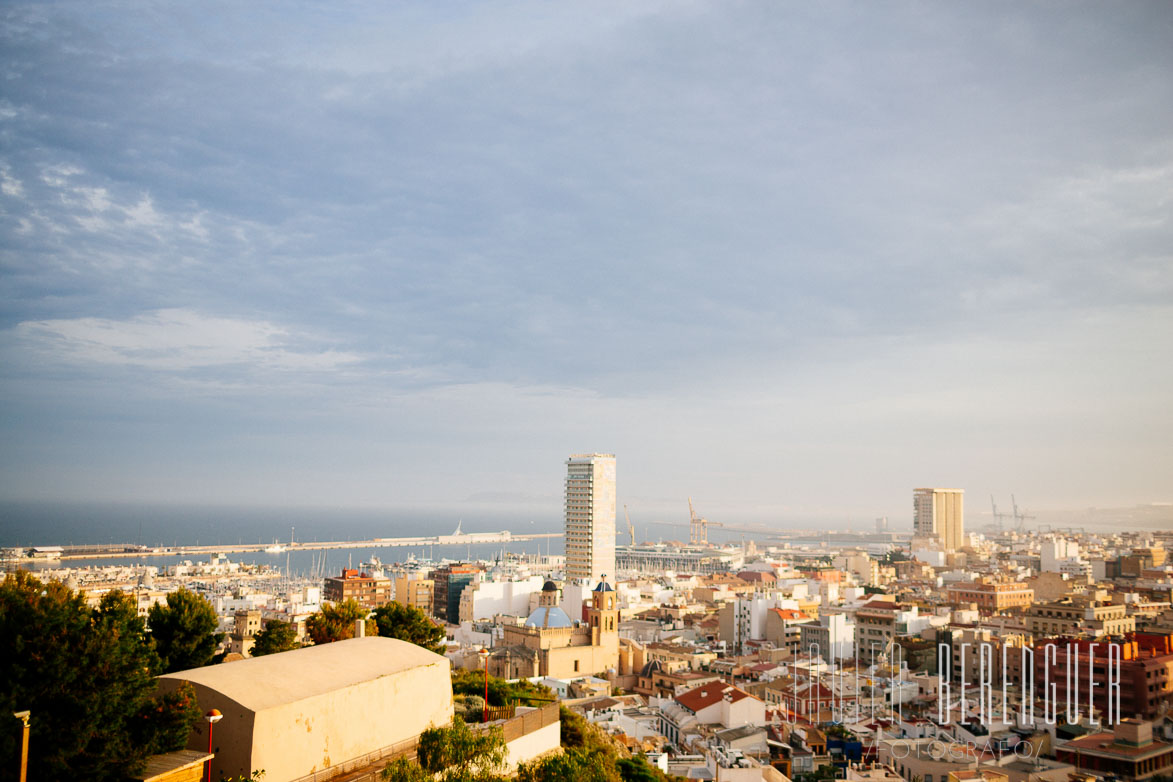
[{"x": 367, "y": 590}]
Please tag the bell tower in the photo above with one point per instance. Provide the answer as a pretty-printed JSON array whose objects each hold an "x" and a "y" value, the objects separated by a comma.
[{"x": 603, "y": 615}]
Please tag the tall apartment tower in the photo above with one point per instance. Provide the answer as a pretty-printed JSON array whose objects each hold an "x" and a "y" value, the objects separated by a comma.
[
  {"x": 939, "y": 514},
  {"x": 590, "y": 516}
]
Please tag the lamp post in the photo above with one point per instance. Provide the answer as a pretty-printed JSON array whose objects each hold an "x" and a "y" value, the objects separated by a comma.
[
  {"x": 484, "y": 653},
  {"x": 212, "y": 717},
  {"x": 23, "y": 716}
]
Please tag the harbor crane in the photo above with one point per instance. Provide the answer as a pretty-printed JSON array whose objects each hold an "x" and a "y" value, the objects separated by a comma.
[
  {"x": 999, "y": 518},
  {"x": 630, "y": 526},
  {"x": 1019, "y": 515},
  {"x": 698, "y": 527}
]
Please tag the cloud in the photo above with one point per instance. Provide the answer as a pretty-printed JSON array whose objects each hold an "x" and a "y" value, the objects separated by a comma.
[
  {"x": 520, "y": 224},
  {"x": 176, "y": 340}
]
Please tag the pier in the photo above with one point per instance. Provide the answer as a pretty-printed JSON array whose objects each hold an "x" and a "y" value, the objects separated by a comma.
[{"x": 130, "y": 550}]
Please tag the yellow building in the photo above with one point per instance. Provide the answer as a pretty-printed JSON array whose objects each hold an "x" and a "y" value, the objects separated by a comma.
[
  {"x": 411, "y": 590},
  {"x": 550, "y": 643},
  {"x": 312, "y": 709},
  {"x": 940, "y": 514}
]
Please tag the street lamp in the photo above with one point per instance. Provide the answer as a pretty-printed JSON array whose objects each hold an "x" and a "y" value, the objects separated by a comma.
[
  {"x": 23, "y": 716},
  {"x": 484, "y": 653},
  {"x": 212, "y": 717}
]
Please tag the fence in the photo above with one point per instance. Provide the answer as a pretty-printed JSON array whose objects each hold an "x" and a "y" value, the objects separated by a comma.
[
  {"x": 523, "y": 724},
  {"x": 405, "y": 748}
]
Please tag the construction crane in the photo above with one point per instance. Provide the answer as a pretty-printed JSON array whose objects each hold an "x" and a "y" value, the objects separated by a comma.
[
  {"x": 630, "y": 526},
  {"x": 698, "y": 527},
  {"x": 999, "y": 518},
  {"x": 1019, "y": 515}
]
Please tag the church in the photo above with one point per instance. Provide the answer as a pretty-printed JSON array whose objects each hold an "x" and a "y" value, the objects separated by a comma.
[{"x": 549, "y": 643}]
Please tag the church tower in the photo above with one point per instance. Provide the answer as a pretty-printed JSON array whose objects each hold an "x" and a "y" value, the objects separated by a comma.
[{"x": 603, "y": 616}]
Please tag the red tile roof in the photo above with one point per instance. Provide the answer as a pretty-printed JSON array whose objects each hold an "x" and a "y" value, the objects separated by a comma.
[{"x": 707, "y": 694}]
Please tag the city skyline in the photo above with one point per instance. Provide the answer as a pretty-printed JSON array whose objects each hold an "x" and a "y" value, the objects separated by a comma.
[{"x": 416, "y": 255}]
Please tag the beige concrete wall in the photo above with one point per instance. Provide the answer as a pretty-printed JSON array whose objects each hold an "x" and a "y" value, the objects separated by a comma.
[
  {"x": 298, "y": 738},
  {"x": 232, "y": 736},
  {"x": 533, "y": 745}
]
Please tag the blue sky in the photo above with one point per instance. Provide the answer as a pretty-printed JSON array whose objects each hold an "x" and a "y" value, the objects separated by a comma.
[{"x": 790, "y": 259}]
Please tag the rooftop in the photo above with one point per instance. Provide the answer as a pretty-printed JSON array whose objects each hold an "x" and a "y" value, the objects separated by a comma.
[{"x": 260, "y": 683}]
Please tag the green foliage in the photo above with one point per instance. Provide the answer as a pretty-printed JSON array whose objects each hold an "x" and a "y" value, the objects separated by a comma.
[
  {"x": 256, "y": 776},
  {"x": 276, "y": 637},
  {"x": 470, "y": 708},
  {"x": 408, "y": 623},
  {"x": 576, "y": 731},
  {"x": 87, "y": 676},
  {"x": 636, "y": 769},
  {"x": 581, "y": 764},
  {"x": 453, "y": 754},
  {"x": 501, "y": 692},
  {"x": 184, "y": 630},
  {"x": 336, "y": 622}
]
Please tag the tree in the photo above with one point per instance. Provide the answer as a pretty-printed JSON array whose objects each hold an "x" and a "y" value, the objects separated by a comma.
[
  {"x": 336, "y": 622},
  {"x": 87, "y": 676},
  {"x": 453, "y": 754},
  {"x": 501, "y": 692},
  {"x": 408, "y": 623},
  {"x": 277, "y": 636},
  {"x": 637, "y": 769},
  {"x": 581, "y": 764},
  {"x": 184, "y": 630}
]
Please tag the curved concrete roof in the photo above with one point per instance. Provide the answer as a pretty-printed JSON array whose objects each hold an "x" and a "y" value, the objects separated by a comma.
[{"x": 260, "y": 683}]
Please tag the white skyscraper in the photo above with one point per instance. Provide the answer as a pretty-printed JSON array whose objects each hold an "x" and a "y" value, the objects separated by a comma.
[{"x": 590, "y": 516}]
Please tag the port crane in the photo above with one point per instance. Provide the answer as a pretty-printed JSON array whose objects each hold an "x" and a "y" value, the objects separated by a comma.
[
  {"x": 1019, "y": 515},
  {"x": 630, "y": 526},
  {"x": 999, "y": 518}
]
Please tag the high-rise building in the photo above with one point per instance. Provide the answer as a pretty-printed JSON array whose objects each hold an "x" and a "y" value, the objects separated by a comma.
[
  {"x": 590, "y": 516},
  {"x": 448, "y": 582},
  {"x": 939, "y": 514}
]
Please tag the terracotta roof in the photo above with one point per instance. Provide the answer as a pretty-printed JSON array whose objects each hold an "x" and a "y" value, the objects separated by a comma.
[
  {"x": 707, "y": 694},
  {"x": 788, "y": 613}
]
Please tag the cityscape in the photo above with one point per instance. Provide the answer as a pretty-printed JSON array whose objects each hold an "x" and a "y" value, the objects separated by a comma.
[
  {"x": 920, "y": 649},
  {"x": 606, "y": 392}
]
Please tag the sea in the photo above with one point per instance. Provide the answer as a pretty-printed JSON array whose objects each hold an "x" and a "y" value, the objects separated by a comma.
[{"x": 24, "y": 524}]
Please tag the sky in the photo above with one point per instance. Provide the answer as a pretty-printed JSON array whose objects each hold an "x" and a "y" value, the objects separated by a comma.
[{"x": 790, "y": 259}]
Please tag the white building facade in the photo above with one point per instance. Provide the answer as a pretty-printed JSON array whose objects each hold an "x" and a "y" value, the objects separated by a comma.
[{"x": 590, "y": 517}]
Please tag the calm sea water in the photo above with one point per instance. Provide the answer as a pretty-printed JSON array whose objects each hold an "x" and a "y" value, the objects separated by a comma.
[{"x": 61, "y": 524}]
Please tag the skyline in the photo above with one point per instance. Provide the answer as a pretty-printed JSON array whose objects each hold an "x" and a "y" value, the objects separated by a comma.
[{"x": 790, "y": 261}]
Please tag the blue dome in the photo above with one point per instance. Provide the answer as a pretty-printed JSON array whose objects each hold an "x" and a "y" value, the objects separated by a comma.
[
  {"x": 603, "y": 587},
  {"x": 548, "y": 616}
]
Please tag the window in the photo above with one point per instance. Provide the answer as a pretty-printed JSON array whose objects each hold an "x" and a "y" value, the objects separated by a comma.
[{"x": 576, "y": 666}]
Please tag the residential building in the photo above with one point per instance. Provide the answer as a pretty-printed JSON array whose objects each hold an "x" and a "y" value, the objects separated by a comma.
[
  {"x": 1127, "y": 753},
  {"x": 833, "y": 637},
  {"x": 939, "y": 513},
  {"x": 716, "y": 703},
  {"x": 590, "y": 516},
  {"x": 412, "y": 589},
  {"x": 1145, "y": 673},
  {"x": 991, "y": 597},
  {"x": 368, "y": 591},
  {"x": 1080, "y": 615},
  {"x": 448, "y": 582}
]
